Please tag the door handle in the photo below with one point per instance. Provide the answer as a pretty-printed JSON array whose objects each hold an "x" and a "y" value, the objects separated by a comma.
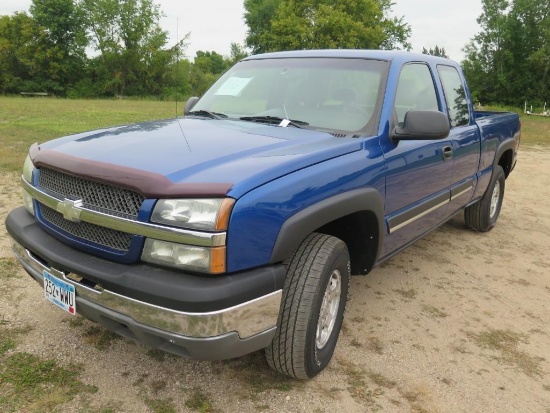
[{"x": 447, "y": 152}]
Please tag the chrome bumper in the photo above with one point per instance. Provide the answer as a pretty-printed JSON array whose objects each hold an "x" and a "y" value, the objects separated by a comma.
[{"x": 247, "y": 319}]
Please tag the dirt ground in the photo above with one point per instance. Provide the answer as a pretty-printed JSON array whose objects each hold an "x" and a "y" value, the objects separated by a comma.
[{"x": 459, "y": 322}]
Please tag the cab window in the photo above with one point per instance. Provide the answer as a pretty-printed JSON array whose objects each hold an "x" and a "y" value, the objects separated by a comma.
[
  {"x": 455, "y": 95},
  {"x": 415, "y": 90}
]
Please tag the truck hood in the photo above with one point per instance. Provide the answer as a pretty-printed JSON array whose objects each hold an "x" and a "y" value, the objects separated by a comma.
[{"x": 191, "y": 157}]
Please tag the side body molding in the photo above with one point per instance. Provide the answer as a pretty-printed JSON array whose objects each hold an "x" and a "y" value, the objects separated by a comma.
[{"x": 303, "y": 223}]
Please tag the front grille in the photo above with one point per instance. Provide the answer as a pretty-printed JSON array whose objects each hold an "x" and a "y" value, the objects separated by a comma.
[
  {"x": 107, "y": 237},
  {"x": 99, "y": 197}
]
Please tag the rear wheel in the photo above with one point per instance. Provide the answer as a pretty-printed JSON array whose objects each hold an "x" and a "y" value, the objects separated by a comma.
[
  {"x": 312, "y": 307},
  {"x": 483, "y": 215}
]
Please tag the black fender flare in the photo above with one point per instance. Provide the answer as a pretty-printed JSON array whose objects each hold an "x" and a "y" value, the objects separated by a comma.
[
  {"x": 300, "y": 225},
  {"x": 507, "y": 145}
]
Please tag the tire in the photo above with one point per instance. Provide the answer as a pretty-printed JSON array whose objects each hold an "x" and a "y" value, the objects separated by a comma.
[
  {"x": 312, "y": 307},
  {"x": 482, "y": 216}
]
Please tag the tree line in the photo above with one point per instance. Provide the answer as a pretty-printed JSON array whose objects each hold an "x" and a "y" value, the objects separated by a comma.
[
  {"x": 48, "y": 48},
  {"x": 508, "y": 61}
]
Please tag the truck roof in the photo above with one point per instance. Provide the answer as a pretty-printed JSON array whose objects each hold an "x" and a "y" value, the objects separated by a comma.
[{"x": 387, "y": 55}]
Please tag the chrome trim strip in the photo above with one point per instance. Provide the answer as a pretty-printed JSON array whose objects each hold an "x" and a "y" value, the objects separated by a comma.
[
  {"x": 453, "y": 197},
  {"x": 146, "y": 229},
  {"x": 423, "y": 213},
  {"x": 247, "y": 319}
]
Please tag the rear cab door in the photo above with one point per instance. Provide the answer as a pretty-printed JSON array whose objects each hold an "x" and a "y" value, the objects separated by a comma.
[
  {"x": 419, "y": 173},
  {"x": 464, "y": 138}
]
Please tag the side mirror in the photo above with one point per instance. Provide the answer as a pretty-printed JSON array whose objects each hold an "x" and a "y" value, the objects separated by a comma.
[
  {"x": 422, "y": 125},
  {"x": 189, "y": 104}
]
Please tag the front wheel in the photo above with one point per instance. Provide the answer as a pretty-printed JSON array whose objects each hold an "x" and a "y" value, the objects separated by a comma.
[
  {"x": 312, "y": 308},
  {"x": 482, "y": 216}
]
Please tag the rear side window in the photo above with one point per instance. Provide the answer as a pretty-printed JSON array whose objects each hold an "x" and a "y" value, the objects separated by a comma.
[
  {"x": 415, "y": 90},
  {"x": 455, "y": 95}
]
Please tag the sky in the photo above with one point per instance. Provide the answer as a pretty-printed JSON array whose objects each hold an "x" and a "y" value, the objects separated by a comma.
[{"x": 214, "y": 24}]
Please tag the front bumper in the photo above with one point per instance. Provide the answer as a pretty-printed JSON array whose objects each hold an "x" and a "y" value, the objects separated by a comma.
[{"x": 214, "y": 334}]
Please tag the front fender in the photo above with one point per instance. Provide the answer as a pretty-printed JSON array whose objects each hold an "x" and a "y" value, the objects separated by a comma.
[
  {"x": 303, "y": 223},
  {"x": 271, "y": 220}
]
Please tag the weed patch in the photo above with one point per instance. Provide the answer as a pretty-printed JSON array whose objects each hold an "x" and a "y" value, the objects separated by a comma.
[
  {"x": 9, "y": 270},
  {"x": 8, "y": 338},
  {"x": 407, "y": 294},
  {"x": 359, "y": 388},
  {"x": 30, "y": 383},
  {"x": 375, "y": 344},
  {"x": 100, "y": 338},
  {"x": 434, "y": 312},
  {"x": 506, "y": 342},
  {"x": 380, "y": 380},
  {"x": 199, "y": 402},
  {"x": 161, "y": 406},
  {"x": 159, "y": 355},
  {"x": 257, "y": 375}
]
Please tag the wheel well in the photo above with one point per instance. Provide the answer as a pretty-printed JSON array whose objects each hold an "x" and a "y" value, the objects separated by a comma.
[
  {"x": 360, "y": 233},
  {"x": 505, "y": 162}
]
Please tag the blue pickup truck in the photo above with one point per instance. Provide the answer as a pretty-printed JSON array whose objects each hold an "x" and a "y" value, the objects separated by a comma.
[{"x": 236, "y": 227}]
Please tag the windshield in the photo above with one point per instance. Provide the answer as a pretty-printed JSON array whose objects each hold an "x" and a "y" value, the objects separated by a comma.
[{"x": 323, "y": 93}]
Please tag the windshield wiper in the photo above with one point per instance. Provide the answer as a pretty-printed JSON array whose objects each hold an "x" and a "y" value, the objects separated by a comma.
[
  {"x": 208, "y": 114},
  {"x": 275, "y": 120}
]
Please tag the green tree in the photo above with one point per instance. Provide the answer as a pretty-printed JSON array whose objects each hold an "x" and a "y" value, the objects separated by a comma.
[
  {"x": 237, "y": 53},
  {"x": 436, "y": 51},
  {"x": 509, "y": 60},
  {"x": 60, "y": 56},
  {"x": 210, "y": 62},
  {"x": 320, "y": 24},
  {"x": 18, "y": 34},
  {"x": 207, "y": 68},
  {"x": 258, "y": 15},
  {"x": 133, "y": 59}
]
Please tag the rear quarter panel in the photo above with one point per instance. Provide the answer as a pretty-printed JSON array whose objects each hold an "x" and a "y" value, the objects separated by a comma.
[{"x": 500, "y": 131}]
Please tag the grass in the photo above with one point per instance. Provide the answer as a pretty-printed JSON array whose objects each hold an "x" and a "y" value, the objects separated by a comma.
[
  {"x": 161, "y": 405},
  {"x": 9, "y": 269},
  {"x": 434, "y": 312},
  {"x": 30, "y": 383},
  {"x": 375, "y": 344},
  {"x": 535, "y": 130},
  {"x": 199, "y": 402},
  {"x": 100, "y": 337},
  {"x": 94, "y": 334},
  {"x": 407, "y": 294},
  {"x": 506, "y": 343},
  {"x": 159, "y": 355},
  {"x": 24, "y": 121},
  {"x": 253, "y": 371}
]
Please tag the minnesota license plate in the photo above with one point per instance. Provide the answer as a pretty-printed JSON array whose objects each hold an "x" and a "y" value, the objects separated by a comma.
[{"x": 60, "y": 293}]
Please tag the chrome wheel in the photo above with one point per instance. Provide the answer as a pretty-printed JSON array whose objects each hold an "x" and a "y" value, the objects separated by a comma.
[
  {"x": 494, "y": 200},
  {"x": 329, "y": 309}
]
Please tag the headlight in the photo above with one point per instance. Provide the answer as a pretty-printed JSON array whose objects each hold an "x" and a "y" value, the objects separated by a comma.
[
  {"x": 28, "y": 169},
  {"x": 28, "y": 202},
  {"x": 198, "y": 214},
  {"x": 187, "y": 257}
]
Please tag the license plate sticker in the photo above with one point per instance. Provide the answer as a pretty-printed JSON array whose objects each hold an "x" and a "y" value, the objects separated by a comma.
[{"x": 60, "y": 293}]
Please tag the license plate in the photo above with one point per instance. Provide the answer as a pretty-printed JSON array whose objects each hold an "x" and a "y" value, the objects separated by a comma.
[{"x": 60, "y": 293}]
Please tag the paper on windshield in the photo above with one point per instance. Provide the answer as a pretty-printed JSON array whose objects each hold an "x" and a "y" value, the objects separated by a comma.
[{"x": 233, "y": 86}]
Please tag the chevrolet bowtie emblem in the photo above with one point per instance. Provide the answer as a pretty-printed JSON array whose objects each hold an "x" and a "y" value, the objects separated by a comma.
[{"x": 70, "y": 209}]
